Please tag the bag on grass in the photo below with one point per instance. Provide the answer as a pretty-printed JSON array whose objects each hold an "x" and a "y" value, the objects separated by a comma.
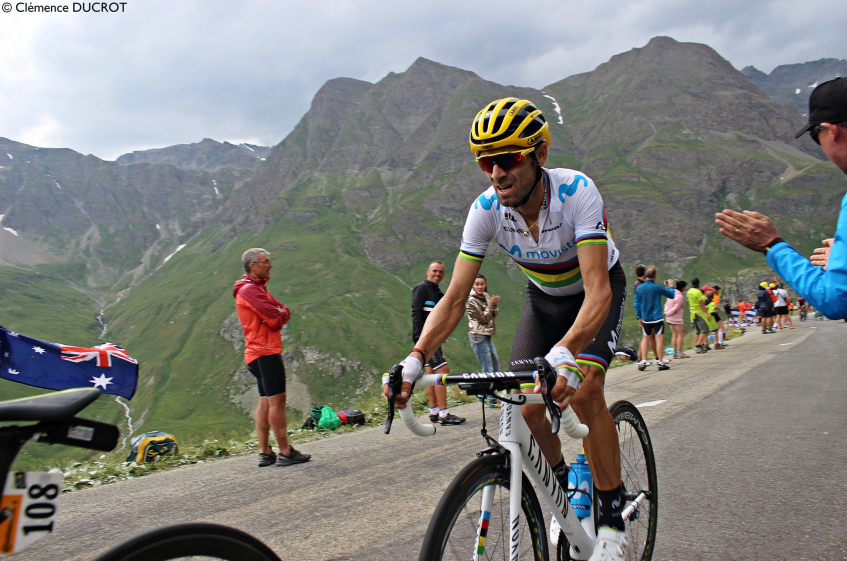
[
  {"x": 322, "y": 416},
  {"x": 351, "y": 416},
  {"x": 328, "y": 420},
  {"x": 148, "y": 446}
]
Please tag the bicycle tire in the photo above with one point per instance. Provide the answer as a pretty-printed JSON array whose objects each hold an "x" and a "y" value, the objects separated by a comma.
[
  {"x": 635, "y": 443},
  {"x": 452, "y": 530},
  {"x": 198, "y": 539}
]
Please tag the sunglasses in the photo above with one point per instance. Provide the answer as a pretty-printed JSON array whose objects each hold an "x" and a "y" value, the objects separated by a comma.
[
  {"x": 814, "y": 134},
  {"x": 505, "y": 160}
]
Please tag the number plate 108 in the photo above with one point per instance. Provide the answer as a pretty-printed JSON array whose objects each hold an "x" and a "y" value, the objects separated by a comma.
[{"x": 28, "y": 508}]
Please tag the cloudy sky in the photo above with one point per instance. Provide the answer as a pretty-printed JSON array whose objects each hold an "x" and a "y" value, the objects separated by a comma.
[{"x": 167, "y": 72}]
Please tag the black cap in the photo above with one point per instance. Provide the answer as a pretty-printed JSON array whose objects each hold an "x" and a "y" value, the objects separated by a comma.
[{"x": 827, "y": 104}]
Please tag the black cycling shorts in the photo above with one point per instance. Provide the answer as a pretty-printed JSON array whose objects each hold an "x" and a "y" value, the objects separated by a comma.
[
  {"x": 270, "y": 374},
  {"x": 545, "y": 320},
  {"x": 651, "y": 327},
  {"x": 437, "y": 360}
]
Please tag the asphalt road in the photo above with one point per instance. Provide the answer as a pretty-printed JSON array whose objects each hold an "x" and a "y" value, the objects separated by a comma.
[{"x": 750, "y": 443}]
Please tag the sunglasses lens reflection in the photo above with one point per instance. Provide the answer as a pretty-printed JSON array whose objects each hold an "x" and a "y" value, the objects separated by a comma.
[{"x": 505, "y": 162}]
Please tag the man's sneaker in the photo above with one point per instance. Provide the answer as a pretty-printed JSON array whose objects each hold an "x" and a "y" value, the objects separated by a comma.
[
  {"x": 611, "y": 545},
  {"x": 293, "y": 457},
  {"x": 451, "y": 419},
  {"x": 433, "y": 418},
  {"x": 719, "y": 346},
  {"x": 267, "y": 459},
  {"x": 642, "y": 364},
  {"x": 662, "y": 365},
  {"x": 790, "y": 327},
  {"x": 700, "y": 350},
  {"x": 682, "y": 355}
]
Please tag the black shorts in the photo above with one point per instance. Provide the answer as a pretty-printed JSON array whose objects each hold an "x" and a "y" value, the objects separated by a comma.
[
  {"x": 717, "y": 316},
  {"x": 270, "y": 374},
  {"x": 781, "y": 310},
  {"x": 767, "y": 313},
  {"x": 651, "y": 327},
  {"x": 437, "y": 360},
  {"x": 545, "y": 320}
]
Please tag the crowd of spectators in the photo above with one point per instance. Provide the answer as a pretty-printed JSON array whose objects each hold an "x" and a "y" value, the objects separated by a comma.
[{"x": 710, "y": 314}]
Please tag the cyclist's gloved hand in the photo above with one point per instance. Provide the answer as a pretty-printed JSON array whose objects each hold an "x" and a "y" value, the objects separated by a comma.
[
  {"x": 412, "y": 369},
  {"x": 562, "y": 361}
]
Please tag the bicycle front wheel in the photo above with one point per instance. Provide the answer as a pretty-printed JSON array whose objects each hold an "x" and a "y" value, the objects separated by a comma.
[
  {"x": 196, "y": 541},
  {"x": 459, "y": 519},
  {"x": 638, "y": 474}
]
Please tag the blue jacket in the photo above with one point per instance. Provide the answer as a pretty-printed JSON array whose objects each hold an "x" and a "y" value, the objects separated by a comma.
[
  {"x": 648, "y": 300},
  {"x": 825, "y": 290}
]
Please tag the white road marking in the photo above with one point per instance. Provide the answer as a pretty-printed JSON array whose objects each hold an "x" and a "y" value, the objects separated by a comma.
[{"x": 650, "y": 403}]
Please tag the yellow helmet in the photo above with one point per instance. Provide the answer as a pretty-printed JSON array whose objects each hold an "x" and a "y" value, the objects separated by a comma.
[
  {"x": 772, "y": 285},
  {"x": 508, "y": 122},
  {"x": 763, "y": 284}
]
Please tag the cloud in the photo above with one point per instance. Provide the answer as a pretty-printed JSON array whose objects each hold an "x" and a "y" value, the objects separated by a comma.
[
  {"x": 42, "y": 133},
  {"x": 164, "y": 73}
]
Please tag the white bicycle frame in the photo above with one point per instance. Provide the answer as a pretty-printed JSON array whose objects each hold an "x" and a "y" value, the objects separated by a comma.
[{"x": 515, "y": 436}]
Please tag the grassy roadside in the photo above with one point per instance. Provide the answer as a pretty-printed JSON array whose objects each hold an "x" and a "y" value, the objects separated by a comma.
[{"x": 112, "y": 467}]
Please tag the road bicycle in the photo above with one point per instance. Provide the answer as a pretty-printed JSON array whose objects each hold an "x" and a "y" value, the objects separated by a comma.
[
  {"x": 491, "y": 509},
  {"x": 29, "y": 500}
]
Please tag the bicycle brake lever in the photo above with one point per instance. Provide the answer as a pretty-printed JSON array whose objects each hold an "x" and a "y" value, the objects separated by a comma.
[
  {"x": 548, "y": 377},
  {"x": 395, "y": 385}
]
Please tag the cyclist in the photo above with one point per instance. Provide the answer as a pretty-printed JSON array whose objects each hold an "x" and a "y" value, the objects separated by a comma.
[{"x": 552, "y": 223}]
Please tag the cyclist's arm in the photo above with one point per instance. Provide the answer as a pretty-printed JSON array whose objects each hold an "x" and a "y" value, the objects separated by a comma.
[
  {"x": 598, "y": 297},
  {"x": 450, "y": 310}
]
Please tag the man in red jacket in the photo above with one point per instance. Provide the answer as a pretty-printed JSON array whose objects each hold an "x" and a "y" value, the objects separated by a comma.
[{"x": 262, "y": 317}]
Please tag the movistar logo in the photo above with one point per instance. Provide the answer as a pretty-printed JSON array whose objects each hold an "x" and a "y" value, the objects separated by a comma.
[
  {"x": 550, "y": 254},
  {"x": 512, "y": 251},
  {"x": 487, "y": 202},
  {"x": 569, "y": 189}
]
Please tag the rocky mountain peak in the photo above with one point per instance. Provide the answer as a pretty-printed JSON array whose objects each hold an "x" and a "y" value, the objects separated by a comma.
[
  {"x": 207, "y": 154},
  {"x": 792, "y": 84}
]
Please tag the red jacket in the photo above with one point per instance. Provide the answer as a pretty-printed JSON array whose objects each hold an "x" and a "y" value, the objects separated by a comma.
[{"x": 262, "y": 317}]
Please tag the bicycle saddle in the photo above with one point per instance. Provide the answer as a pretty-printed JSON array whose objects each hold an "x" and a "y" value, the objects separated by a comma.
[{"x": 50, "y": 407}]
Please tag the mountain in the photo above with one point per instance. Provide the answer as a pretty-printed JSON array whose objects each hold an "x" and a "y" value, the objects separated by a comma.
[
  {"x": 371, "y": 185},
  {"x": 207, "y": 154},
  {"x": 792, "y": 84},
  {"x": 106, "y": 224}
]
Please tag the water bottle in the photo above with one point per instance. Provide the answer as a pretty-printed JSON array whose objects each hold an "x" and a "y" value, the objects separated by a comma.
[{"x": 580, "y": 485}]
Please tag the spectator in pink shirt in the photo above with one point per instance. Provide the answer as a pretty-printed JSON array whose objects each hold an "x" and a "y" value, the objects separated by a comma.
[{"x": 673, "y": 315}]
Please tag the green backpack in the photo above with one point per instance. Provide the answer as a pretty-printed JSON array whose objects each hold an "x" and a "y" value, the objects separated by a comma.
[{"x": 322, "y": 416}]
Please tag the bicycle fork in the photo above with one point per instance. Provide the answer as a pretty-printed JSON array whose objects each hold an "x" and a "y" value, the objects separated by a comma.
[{"x": 516, "y": 437}]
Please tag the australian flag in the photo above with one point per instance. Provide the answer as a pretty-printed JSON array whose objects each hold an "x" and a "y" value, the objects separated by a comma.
[{"x": 60, "y": 367}]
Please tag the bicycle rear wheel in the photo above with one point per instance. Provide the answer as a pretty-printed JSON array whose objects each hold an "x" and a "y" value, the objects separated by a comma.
[
  {"x": 198, "y": 541},
  {"x": 453, "y": 529},
  {"x": 638, "y": 474}
]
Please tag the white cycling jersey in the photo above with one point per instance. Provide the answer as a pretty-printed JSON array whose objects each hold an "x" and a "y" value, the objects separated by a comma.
[{"x": 572, "y": 215}]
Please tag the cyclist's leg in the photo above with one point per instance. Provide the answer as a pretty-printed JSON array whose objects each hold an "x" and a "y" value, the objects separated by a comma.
[
  {"x": 589, "y": 403},
  {"x": 544, "y": 321},
  {"x": 601, "y": 444}
]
